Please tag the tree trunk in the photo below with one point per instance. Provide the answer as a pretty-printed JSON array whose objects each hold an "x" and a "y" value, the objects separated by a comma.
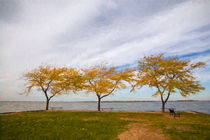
[
  {"x": 164, "y": 102},
  {"x": 163, "y": 106},
  {"x": 47, "y": 104},
  {"x": 99, "y": 104}
]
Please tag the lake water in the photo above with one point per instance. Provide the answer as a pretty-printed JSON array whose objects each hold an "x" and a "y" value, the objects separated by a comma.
[{"x": 17, "y": 106}]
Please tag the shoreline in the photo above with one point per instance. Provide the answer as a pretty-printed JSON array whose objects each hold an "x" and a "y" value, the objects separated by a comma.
[
  {"x": 186, "y": 111},
  {"x": 118, "y": 101}
]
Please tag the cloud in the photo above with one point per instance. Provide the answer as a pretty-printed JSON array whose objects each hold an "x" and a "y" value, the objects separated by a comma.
[
  {"x": 78, "y": 33},
  {"x": 124, "y": 41}
]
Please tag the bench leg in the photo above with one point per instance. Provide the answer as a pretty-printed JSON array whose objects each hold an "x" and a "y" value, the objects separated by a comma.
[{"x": 176, "y": 115}]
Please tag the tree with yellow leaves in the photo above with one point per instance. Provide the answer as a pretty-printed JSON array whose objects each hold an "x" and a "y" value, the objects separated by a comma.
[
  {"x": 168, "y": 75},
  {"x": 53, "y": 81},
  {"x": 104, "y": 81}
]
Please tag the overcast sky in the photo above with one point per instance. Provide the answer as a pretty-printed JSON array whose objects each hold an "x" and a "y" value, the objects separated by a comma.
[{"x": 82, "y": 33}]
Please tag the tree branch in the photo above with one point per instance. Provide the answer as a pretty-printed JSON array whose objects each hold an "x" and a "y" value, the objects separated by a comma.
[
  {"x": 98, "y": 96},
  {"x": 167, "y": 97},
  {"x": 93, "y": 86},
  {"x": 45, "y": 93},
  {"x": 111, "y": 90},
  {"x": 90, "y": 82},
  {"x": 52, "y": 96},
  {"x": 48, "y": 85}
]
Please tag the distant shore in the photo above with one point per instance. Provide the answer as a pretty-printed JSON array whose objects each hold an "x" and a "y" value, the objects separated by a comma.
[
  {"x": 18, "y": 106},
  {"x": 193, "y": 112},
  {"x": 118, "y": 101}
]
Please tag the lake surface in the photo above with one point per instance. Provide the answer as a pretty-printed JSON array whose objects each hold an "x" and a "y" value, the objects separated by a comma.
[{"x": 17, "y": 106}]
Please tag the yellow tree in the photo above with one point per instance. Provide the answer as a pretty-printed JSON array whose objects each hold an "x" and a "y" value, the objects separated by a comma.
[
  {"x": 53, "y": 81},
  {"x": 104, "y": 81},
  {"x": 168, "y": 75}
]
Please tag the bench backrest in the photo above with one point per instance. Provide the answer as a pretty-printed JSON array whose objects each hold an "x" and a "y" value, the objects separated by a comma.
[{"x": 171, "y": 110}]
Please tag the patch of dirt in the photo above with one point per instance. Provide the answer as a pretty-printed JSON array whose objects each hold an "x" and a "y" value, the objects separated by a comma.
[
  {"x": 131, "y": 119},
  {"x": 172, "y": 116},
  {"x": 71, "y": 111},
  {"x": 14, "y": 113},
  {"x": 178, "y": 127},
  {"x": 139, "y": 132},
  {"x": 154, "y": 112},
  {"x": 91, "y": 119},
  {"x": 191, "y": 112}
]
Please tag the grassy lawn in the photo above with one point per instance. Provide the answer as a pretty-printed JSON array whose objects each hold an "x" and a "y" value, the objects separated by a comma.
[{"x": 100, "y": 125}]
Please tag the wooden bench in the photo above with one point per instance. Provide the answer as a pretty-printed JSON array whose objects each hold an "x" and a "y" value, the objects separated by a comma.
[
  {"x": 56, "y": 108},
  {"x": 107, "y": 108},
  {"x": 172, "y": 112}
]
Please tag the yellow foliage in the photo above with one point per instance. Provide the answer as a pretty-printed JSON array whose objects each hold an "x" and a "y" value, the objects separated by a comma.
[
  {"x": 104, "y": 81},
  {"x": 168, "y": 75},
  {"x": 54, "y": 80}
]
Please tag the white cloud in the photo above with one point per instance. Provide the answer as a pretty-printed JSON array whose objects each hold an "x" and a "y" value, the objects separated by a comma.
[{"x": 67, "y": 33}]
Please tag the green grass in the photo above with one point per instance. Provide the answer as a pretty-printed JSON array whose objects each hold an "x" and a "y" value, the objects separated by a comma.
[{"x": 99, "y": 125}]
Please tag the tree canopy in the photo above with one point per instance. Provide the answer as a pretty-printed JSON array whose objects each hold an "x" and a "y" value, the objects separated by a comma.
[
  {"x": 104, "y": 81},
  {"x": 53, "y": 80},
  {"x": 168, "y": 75}
]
